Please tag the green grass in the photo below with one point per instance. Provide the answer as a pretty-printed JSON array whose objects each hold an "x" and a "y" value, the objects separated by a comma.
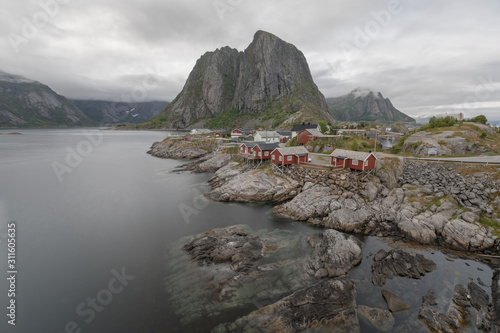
[{"x": 487, "y": 222}]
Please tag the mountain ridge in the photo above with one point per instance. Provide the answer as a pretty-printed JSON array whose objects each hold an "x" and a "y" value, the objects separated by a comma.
[
  {"x": 363, "y": 104},
  {"x": 28, "y": 103}
]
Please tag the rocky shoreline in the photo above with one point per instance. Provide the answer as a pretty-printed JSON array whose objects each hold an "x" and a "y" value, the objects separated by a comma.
[{"x": 425, "y": 203}]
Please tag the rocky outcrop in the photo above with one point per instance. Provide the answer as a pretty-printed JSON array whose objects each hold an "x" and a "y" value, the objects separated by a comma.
[
  {"x": 469, "y": 192},
  {"x": 239, "y": 184},
  {"x": 33, "y": 104},
  {"x": 268, "y": 72},
  {"x": 313, "y": 202},
  {"x": 234, "y": 268},
  {"x": 365, "y": 105},
  {"x": 329, "y": 306},
  {"x": 495, "y": 292},
  {"x": 179, "y": 150},
  {"x": 232, "y": 245},
  {"x": 459, "y": 316},
  {"x": 379, "y": 319},
  {"x": 334, "y": 254},
  {"x": 387, "y": 265},
  {"x": 447, "y": 143}
]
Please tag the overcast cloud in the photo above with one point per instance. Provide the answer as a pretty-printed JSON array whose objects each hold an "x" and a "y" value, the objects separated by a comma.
[{"x": 429, "y": 57}]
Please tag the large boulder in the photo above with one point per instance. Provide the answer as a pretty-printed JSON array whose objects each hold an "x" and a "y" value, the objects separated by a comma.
[
  {"x": 334, "y": 254},
  {"x": 350, "y": 217},
  {"x": 394, "y": 303},
  {"x": 464, "y": 236},
  {"x": 314, "y": 202},
  {"x": 329, "y": 306}
]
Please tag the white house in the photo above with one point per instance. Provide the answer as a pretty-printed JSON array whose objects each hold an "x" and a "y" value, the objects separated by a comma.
[
  {"x": 200, "y": 131},
  {"x": 267, "y": 136}
]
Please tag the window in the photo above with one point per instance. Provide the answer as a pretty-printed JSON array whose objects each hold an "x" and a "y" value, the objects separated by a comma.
[
  {"x": 334, "y": 160},
  {"x": 289, "y": 158},
  {"x": 274, "y": 157},
  {"x": 354, "y": 162},
  {"x": 366, "y": 163},
  {"x": 260, "y": 154},
  {"x": 281, "y": 158},
  {"x": 266, "y": 153}
]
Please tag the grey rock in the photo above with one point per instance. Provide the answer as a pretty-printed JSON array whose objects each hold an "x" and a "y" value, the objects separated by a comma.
[
  {"x": 461, "y": 235},
  {"x": 312, "y": 202},
  {"x": 394, "y": 303},
  {"x": 329, "y": 306},
  {"x": 250, "y": 186},
  {"x": 387, "y": 265},
  {"x": 495, "y": 291},
  {"x": 334, "y": 254},
  {"x": 347, "y": 219},
  {"x": 379, "y": 319}
]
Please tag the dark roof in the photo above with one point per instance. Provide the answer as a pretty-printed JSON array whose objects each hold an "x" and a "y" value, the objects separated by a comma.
[
  {"x": 252, "y": 144},
  {"x": 285, "y": 133},
  {"x": 301, "y": 127},
  {"x": 267, "y": 146}
]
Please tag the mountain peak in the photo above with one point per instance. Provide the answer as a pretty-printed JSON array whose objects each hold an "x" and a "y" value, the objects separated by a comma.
[{"x": 270, "y": 77}]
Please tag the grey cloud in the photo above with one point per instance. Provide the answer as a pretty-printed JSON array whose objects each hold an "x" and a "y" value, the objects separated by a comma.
[{"x": 426, "y": 57}]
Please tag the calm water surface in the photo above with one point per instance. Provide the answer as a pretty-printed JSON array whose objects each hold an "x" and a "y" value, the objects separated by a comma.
[{"x": 115, "y": 213}]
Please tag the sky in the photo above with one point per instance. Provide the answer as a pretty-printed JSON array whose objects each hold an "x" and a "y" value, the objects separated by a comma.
[{"x": 428, "y": 57}]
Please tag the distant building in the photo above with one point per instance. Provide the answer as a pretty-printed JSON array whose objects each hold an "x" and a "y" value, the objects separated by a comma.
[
  {"x": 267, "y": 136},
  {"x": 350, "y": 131},
  {"x": 296, "y": 129},
  {"x": 289, "y": 155},
  {"x": 356, "y": 160},
  {"x": 220, "y": 134},
  {"x": 200, "y": 131},
  {"x": 241, "y": 131}
]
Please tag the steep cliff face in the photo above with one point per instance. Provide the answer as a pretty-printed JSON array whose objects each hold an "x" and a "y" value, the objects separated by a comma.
[
  {"x": 27, "y": 103},
  {"x": 107, "y": 112},
  {"x": 365, "y": 105},
  {"x": 270, "y": 80}
]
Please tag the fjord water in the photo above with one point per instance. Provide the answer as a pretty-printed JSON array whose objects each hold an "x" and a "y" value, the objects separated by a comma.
[{"x": 113, "y": 215}]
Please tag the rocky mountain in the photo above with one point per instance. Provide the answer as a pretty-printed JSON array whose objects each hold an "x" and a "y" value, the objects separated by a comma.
[
  {"x": 267, "y": 84},
  {"x": 28, "y": 103},
  {"x": 365, "y": 105},
  {"x": 108, "y": 112}
]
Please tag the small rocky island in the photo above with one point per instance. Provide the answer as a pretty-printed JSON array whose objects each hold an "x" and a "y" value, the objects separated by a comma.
[{"x": 288, "y": 282}]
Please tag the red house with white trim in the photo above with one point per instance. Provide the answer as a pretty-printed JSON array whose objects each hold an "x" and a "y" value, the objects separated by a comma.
[
  {"x": 355, "y": 160},
  {"x": 289, "y": 155},
  {"x": 307, "y": 135},
  {"x": 262, "y": 151}
]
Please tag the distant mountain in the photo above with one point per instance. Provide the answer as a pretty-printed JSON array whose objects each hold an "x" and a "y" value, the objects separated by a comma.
[
  {"x": 117, "y": 112},
  {"x": 28, "y": 103},
  {"x": 365, "y": 105},
  {"x": 266, "y": 85}
]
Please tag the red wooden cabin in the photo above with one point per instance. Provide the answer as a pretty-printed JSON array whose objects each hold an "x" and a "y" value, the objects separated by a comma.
[
  {"x": 262, "y": 151},
  {"x": 355, "y": 160},
  {"x": 289, "y": 155},
  {"x": 309, "y": 135}
]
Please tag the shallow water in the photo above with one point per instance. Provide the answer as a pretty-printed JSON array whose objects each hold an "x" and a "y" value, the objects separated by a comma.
[{"x": 120, "y": 208}]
